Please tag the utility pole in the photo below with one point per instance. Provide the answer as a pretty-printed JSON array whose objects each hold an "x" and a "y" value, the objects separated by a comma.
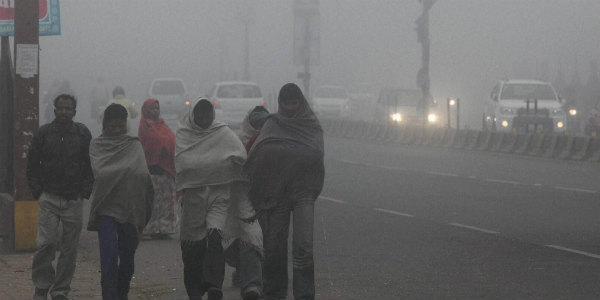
[
  {"x": 6, "y": 114},
  {"x": 26, "y": 46},
  {"x": 423, "y": 80},
  {"x": 306, "y": 39}
]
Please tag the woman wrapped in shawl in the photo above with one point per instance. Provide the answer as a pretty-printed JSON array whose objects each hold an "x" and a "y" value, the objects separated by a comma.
[
  {"x": 208, "y": 159},
  {"x": 243, "y": 236},
  {"x": 159, "y": 147},
  {"x": 121, "y": 200},
  {"x": 286, "y": 171}
]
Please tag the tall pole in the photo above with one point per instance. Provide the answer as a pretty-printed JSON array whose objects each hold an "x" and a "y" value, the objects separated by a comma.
[
  {"x": 6, "y": 114},
  {"x": 306, "y": 75},
  {"x": 246, "y": 50},
  {"x": 423, "y": 80},
  {"x": 26, "y": 45}
]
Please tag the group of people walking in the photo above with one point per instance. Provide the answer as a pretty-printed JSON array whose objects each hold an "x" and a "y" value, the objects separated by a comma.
[{"x": 235, "y": 195}]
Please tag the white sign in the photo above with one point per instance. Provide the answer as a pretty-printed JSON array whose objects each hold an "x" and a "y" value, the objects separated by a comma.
[{"x": 27, "y": 60}]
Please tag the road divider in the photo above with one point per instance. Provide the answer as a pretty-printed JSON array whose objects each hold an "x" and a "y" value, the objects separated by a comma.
[{"x": 554, "y": 146}]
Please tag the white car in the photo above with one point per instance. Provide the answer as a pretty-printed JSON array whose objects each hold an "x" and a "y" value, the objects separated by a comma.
[
  {"x": 172, "y": 96},
  {"x": 233, "y": 99},
  {"x": 507, "y": 107},
  {"x": 331, "y": 101}
]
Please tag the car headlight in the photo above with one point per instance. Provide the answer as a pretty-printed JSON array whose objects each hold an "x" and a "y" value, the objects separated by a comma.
[
  {"x": 432, "y": 118},
  {"x": 560, "y": 124},
  {"x": 556, "y": 112},
  {"x": 572, "y": 112},
  {"x": 507, "y": 111},
  {"x": 397, "y": 117},
  {"x": 504, "y": 123}
]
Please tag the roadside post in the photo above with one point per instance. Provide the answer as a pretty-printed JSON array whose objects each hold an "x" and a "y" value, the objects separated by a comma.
[{"x": 26, "y": 20}]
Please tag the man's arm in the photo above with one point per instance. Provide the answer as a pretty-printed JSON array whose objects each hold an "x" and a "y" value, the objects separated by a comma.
[
  {"x": 88, "y": 175},
  {"x": 34, "y": 165}
]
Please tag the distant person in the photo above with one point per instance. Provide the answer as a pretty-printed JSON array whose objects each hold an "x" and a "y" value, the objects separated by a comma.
[
  {"x": 286, "y": 171},
  {"x": 243, "y": 235},
  {"x": 158, "y": 142},
  {"x": 118, "y": 94},
  {"x": 99, "y": 96},
  {"x": 208, "y": 160},
  {"x": 59, "y": 176},
  {"x": 121, "y": 200}
]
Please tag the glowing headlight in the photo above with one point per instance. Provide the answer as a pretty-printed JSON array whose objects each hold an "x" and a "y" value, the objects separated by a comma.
[
  {"x": 432, "y": 118},
  {"x": 507, "y": 111},
  {"x": 504, "y": 123},
  {"x": 396, "y": 117},
  {"x": 560, "y": 124},
  {"x": 572, "y": 112},
  {"x": 187, "y": 103},
  {"x": 556, "y": 111},
  {"x": 452, "y": 102}
]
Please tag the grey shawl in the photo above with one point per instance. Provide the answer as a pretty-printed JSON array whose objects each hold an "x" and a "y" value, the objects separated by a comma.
[
  {"x": 120, "y": 174},
  {"x": 210, "y": 156}
]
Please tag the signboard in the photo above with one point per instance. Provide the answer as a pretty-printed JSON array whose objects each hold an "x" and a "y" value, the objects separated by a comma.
[
  {"x": 306, "y": 32},
  {"x": 49, "y": 17}
]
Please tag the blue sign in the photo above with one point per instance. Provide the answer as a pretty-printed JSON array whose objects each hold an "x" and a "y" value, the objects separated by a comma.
[{"x": 49, "y": 17}]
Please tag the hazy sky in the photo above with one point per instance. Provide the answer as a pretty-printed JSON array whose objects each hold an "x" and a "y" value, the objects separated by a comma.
[{"x": 473, "y": 43}]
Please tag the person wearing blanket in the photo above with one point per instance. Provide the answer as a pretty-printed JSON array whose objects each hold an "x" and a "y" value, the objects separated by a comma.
[
  {"x": 121, "y": 201},
  {"x": 208, "y": 161}
]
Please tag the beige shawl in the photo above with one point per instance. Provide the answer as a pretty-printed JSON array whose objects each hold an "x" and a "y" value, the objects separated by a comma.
[{"x": 120, "y": 175}]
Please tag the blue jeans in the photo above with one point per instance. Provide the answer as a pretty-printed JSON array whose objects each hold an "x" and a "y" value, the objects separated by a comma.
[
  {"x": 250, "y": 268},
  {"x": 275, "y": 225},
  {"x": 118, "y": 243}
]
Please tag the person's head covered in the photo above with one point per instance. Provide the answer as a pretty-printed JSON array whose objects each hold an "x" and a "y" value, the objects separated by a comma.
[
  {"x": 292, "y": 102},
  {"x": 118, "y": 91},
  {"x": 115, "y": 120},
  {"x": 203, "y": 113}
]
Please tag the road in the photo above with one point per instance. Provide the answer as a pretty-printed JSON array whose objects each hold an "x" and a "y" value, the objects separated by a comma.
[{"x": 411, "y": 222}]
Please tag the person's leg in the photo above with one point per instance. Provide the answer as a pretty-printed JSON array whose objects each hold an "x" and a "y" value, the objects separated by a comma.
[
  {"x": 109, "y": 255},
  {"x": 42, "y": 271},
  {"x": 214, "y": 260},
  {"x": 302, "y": 249},
  {"x": 71, "y": 219},
  {"x": 128, "y": 242},
  {"x": 275, "y": 225},
  {"x": 192, "y": 253},
  {"x": 250, "y": 269}
]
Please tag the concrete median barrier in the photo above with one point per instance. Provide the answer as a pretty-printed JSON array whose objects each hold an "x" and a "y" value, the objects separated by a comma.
[
  {"x": 565, "y": 146},
  {"x": 523, "y": 143},
  {"x": 581, "y": 146}
]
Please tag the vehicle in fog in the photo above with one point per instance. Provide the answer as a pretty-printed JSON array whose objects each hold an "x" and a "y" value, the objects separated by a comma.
[
  {"x": 405, "y": 107},
  {"x": 523, "y": 105},
  {"x": 233, "y": 99},
  {"x": 172, "y": 95},
  {"x": 331, "y": 101}
]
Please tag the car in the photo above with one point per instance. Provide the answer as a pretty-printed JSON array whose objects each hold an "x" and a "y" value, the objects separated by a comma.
[
  {"x": 331, "y": 101},
  {"x": 233, "y": 99},
  {"x": 405, "y": 107},
  {"x": 522, "y": 105},
  {"x": 172, "y": 96}
]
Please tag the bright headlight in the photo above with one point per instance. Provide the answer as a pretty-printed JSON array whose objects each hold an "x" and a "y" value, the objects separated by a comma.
[
  {"x": 396, "y": 117},
  {"x": 572, "y": 112},
  {"x": 504, "y": 123},
  {"x": 560, "y": 124},
  {"x": 432, "y": 118}
]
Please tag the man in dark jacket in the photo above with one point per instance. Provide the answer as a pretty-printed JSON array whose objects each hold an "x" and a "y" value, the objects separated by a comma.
[{"x": 60, "y": 176}]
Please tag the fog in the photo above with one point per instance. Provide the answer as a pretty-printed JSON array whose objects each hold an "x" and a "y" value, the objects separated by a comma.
[{"x": 473, "y": 43}]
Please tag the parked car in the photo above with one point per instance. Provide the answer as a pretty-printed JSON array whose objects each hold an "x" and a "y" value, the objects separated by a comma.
[
  {"x": 405, "y": 107},
  {"x": 523, "y": 105},
  {"x": 172, "y": 95},
  {"x": 331, "y": 101},
  {"x": 233, "y": 99}
]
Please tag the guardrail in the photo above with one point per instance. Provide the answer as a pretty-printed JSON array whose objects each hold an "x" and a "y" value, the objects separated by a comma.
[{"x": 554, "y": 146}]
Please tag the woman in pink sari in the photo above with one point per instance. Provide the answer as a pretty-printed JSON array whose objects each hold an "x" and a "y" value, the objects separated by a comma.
[{"x": 159, "y": 146}]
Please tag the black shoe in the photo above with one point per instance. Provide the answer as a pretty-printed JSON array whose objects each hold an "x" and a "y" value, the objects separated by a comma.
[
  {"x": 251, "y": 293},
  {"x": 215, "y": 294},
  {"x": 40, "y": 294}
]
